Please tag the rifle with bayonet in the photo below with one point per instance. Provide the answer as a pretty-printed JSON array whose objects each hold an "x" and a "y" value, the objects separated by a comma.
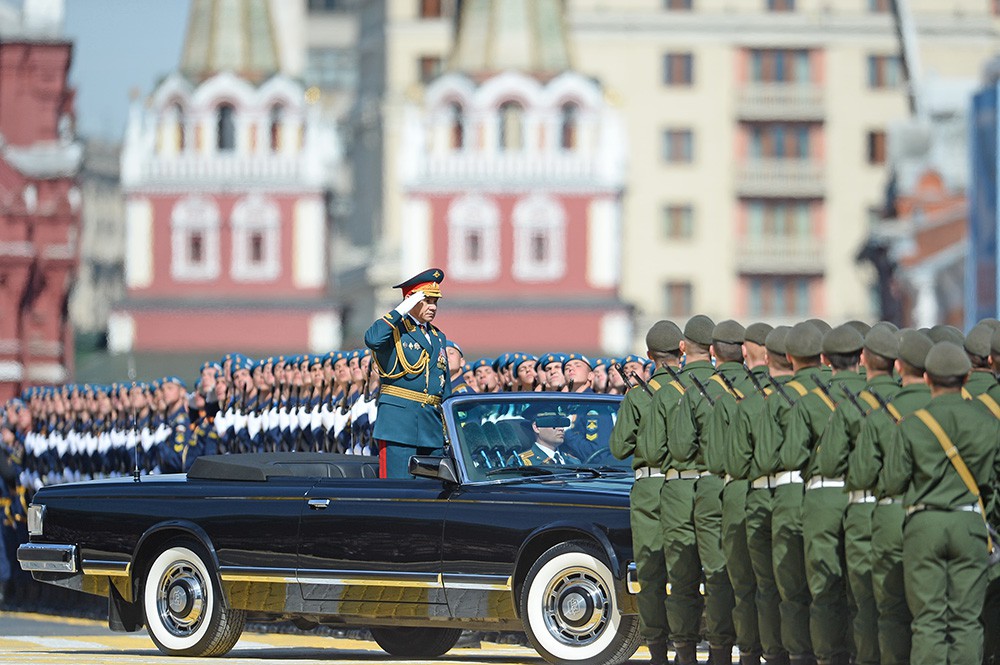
[
  {"x": 729, "y": 386},
  {"x": 629, "y": 382},
  {"x": 825, "y": 389},
  {"x": 780, "y": 389},
  {"x": 884, "y": 406},
  {"x": 755, "y": 381}
]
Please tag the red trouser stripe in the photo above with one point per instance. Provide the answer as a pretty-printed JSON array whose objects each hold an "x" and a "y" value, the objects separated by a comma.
[{"x": 382, "y": 454}]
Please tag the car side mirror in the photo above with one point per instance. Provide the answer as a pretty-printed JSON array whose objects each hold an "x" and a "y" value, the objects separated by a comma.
[{"x": 441, "y": 468}]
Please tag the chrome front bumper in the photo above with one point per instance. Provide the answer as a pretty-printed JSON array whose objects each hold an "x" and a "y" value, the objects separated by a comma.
[{"x": 45, "y": 557}]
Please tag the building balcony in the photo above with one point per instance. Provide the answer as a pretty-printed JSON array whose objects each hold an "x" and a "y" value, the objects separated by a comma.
[
  {"x": 780, "y": 256},
  {"x": 478, "y": 168},
  {"x": 780, "y": 101},
  {"x": 796, "y": 178},
  {"x": 199, "y": 171}
]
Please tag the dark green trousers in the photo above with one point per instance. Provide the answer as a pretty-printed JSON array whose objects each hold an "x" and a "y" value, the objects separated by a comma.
[
  {"x": 741, "y": 577},
  {"x": 945, "y": 578},
  {"x": 760, "y": 506},
  {"x": 691, "y": 515},
  {"x": 887, "y": 584},
  {"x": 858, "y": 556},
  {"x": 823, "y": 537},
  {"x": 647, "y": 547},
  {"x": 788, "y": 561}
]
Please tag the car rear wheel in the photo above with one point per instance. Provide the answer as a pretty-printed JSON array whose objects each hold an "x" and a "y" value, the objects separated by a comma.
[
  {"x": 570, "y": 611},
  {"x": 416, "y": 642},
  {"x": 183, "y": 606}
]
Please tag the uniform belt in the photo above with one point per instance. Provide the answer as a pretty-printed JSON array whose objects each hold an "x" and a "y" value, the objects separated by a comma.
[
  {"x": 411, "y": 395},
  {"x": 777, "y": 480},
  {"x": 890, "y": 500},
  {"x": 674, "y": 474},
  {"x": 817, "y": 482},
  {"x": 862, "y": 496},
  {"x": 728, "y": 478},
  {"x": 967, "y": 508},
  {"x": 647, "y": 472}
]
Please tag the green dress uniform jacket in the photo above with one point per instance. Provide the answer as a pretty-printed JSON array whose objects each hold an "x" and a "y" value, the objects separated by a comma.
[
  {"x": 980, "y": 381},
  {"x": 944, "y": 541},
  {"x": 414, "y": 379}
]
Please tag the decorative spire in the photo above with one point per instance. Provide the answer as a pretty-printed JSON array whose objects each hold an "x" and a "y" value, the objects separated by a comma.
[
  {"x": 230, "y": 35},
  {"x": 524, "y": 35}
]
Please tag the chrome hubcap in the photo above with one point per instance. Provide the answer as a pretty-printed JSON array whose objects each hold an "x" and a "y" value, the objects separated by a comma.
[
  {"x": 577, "y": 606},
  {"x": 180, "y": 599}
]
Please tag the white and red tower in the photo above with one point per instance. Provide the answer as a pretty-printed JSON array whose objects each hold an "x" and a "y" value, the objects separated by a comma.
[
  {"x": 225, "y": 170},
  {"x": 513, "y": 170}
]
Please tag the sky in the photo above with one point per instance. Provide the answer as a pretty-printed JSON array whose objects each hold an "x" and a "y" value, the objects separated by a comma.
[{"x": 120, "y": 45}]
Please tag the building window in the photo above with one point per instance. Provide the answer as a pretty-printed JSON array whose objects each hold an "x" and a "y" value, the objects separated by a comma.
[
  {"x": 568, "y": 121},
  {"x": 772, "y": 219},
  {"x": 194, "y": 230},
  {"x": 430, "y": 8},
  {"x": 429, "y": 67},
  {"x": 474, "y": 239},
  {"x": 457, "y": 127},
  {"x": 225, "y": 138},
  {"x": 779, "y": 140},
  {"x": 677, "y": 5},
  {"x": 678, "y": 146},
  {"x": 276, "y": 128},
  {"x": 678, "y": 69},
  {"x": 539, "y": 239},
  {"x": 781, "y": 5},
  {"x": 778, "y": 296},
  {"x": 327, "y": 5},
  {"x": 884, "y": 71},
  {"x": 511, "y": 126},
  {"x": 879, "y": 6},
  {"x": 779, "y": 66},
  {"x": 256, "y": 223},
  {"x": 677, "y": 299},
  {"x": 876, "y": 147},
  {"x": 331, "y": 68},
  {"x": 180, "y": 126},
  {"x": 678, "y": 222}
]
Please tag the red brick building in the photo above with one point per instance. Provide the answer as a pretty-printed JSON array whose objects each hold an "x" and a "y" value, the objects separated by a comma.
[{"x": 39, "y": 201}]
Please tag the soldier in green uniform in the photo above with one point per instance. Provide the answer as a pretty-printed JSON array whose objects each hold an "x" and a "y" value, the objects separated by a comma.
[
  {"x": 824, "y": 500},
  {"x": 881, "y": 347},
  {"x": 749, "y": 460},
  {"x": 691, "y": 511},
  {"x": 663, "y": 348},
  {"x": 977, "y": 346},
  {"x": 993, "y": 394},
  {"x": 864, "y": 468},
  {"x": 941, "y": 458}
]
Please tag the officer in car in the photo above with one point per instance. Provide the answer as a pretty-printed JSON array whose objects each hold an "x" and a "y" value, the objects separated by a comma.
[{"x": 549, "y": 428}]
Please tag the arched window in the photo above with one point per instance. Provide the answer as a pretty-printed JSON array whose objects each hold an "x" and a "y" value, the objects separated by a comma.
[
  {"x": 568, "y": 120},
  {"x": 180, "y": 127},
  {"x": 473, "y": 239},
  {"x": 539, "y": 239},
  {"x": 511, "y": 126},
  {"x": 226, "y": 128},
  {"x": 457, "y": 127},
  {"x": 194, "y": 226},
  {"x": 256, "y": 223},
  {"x": 277, "y": 118}
]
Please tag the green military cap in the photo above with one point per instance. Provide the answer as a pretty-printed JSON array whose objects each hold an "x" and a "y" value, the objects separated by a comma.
[
  {"x": 822, "y": 326},
  {"x": 728, "y": 331},
  {"x": 860, "y": 326},
  {"x": 889, "y": 324},
  {"x": 804, "y": 340},
  {"x": 913, "y": 348},
  {"x": 943, "y": 333},
  {"x": 757, "y": 333},
  {"x": 977, "y": 342},
  {"x": 995, "y": 342},
  {"x": 883, "y": 341},
  {"x": 664, "y": 337},
  {"x": 775, "y": 341},
  {"x": 843, "y": 339},
  {"x": 947, "y": 359},
  {"x": 994, "y": 324},
  {"x": 699, "y": 329}
]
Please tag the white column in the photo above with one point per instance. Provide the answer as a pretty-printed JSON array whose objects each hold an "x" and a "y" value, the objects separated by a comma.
[{"x": 925, "y": 311}]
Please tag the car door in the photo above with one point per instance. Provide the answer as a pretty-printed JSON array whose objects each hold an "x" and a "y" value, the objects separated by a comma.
[{"x": 372, "y": 547}]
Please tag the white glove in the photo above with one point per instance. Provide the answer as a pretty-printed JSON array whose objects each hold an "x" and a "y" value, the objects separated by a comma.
[
  {"x": 239, "y": 421},
  {"x": 283, "y": 420},
  {"x": 410, "y": 302},
  {"x": 340, "y": 421},
  {"x": 326, "y": 417},
  {"x": 315, "y": 419},
  {"x": 253, "y": 425},
  {"x": 304, "y": 417}
]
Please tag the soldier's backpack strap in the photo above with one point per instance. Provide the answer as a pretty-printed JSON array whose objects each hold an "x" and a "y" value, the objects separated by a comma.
[
  {"x": 826, "y": 400},
  {"x": 654, "y": 384},
  {"x": 798, "y": 387},
  {"x": 956, "y": 461},
  {"x": 991, "y": 404}
]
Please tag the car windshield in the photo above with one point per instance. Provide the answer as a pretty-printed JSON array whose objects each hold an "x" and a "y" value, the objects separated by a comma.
[{"x": 540, "y": 435}]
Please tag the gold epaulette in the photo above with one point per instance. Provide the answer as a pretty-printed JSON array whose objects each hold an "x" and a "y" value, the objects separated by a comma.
[
  {"x": 826, "y": 400},
  {"x": 869, "y": 399},
  {"x": 966, "y": 394},
  {"x": 798, "y": 387}
]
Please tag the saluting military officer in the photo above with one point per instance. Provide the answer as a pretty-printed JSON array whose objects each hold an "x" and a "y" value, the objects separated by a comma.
[
  {"x": 663, "y": 348},
  {"x": 864, "y": 468},
  {"x": 944, "y": 460},
  {"x": 409, "y": 354}
]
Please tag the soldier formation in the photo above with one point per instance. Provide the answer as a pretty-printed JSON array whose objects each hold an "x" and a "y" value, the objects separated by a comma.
[{"x": 810, "y": 494}]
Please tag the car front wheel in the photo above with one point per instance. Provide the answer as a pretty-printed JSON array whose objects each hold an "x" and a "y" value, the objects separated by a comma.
[
  {"x": 570, "y": 611},
  {"x": 183, "y": 608},
  {"x": 416, "y": 642}
]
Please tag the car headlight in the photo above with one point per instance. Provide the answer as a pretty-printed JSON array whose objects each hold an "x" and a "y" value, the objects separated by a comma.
[{"x": 36, "y": 519}]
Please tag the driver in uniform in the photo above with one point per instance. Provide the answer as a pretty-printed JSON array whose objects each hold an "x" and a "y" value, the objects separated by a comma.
[{"x": 550, "y": 432}]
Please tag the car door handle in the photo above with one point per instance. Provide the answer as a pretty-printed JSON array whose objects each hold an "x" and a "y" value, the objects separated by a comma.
[{"x": 319, "y": 504}]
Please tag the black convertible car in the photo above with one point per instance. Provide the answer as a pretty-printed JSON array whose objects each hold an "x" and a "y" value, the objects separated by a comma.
[{"x": 480, "y": 540}]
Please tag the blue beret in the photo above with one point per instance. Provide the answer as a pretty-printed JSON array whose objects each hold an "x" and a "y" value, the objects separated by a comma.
[
  {"x": 522, "y": 358},
  {"x": 483, "y": 362},
  {"x": 453, "y": 345},
  {"x": 578, "y": 356},
  {"x": 174, "y": 379}
]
